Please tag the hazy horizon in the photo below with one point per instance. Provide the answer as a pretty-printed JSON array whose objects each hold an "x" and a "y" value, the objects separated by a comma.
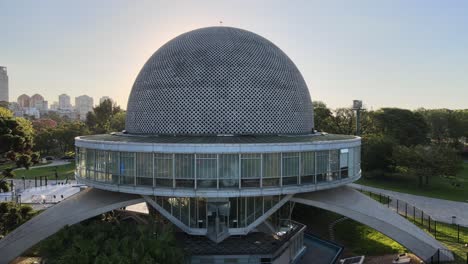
[{"x": 389, "y": 54}]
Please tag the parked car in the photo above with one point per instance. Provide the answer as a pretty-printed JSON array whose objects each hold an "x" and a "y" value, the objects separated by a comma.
[{"x": 49, "y": 158}]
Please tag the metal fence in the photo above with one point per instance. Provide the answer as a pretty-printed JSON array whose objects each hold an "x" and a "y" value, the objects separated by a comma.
[{"x": 447, "y": 232}]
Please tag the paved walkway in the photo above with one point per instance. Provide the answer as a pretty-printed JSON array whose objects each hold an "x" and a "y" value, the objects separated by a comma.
[
  {"x": 351, "y": 203},
  {"x": 53, "y": 163},
  {"x": 438, "y": 209}
]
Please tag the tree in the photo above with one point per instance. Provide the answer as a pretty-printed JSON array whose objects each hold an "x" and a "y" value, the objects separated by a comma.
[
  {"x": 65, "y": 133},
  {"x": 13, "y": 215},
  {"x": 100, "y": 120},
  {"x": 117, "y": 122},
  {"x": 322, "y": 116},
  {"x": 404, "y": 126},
  {"x": 377, "y": 151},
  {"x": 425, "y": 161},
  {"x": 16, "y": 141}
]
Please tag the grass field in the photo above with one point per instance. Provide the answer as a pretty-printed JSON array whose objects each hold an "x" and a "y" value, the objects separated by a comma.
[
  {"x": 63, "y": 171},
  {"x": 439, "y": 187}
]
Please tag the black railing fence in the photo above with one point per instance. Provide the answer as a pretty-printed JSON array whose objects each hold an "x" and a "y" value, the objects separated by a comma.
[{"x": 442, "y": 231}]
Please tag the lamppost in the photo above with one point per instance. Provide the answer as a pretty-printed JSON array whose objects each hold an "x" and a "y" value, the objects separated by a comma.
[{"x": 357, "y": 106}]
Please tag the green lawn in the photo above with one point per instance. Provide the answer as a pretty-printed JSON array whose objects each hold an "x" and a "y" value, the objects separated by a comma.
[
  {"x": 439, "y": 187},
  {"x": 447, "y": 234},
  {"x": 63, "y": 171}
]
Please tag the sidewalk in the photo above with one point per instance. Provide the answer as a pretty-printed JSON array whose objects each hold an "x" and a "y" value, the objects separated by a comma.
[
  {"x": 438, "y": 209},
  {"x": 53, "y": 163}
]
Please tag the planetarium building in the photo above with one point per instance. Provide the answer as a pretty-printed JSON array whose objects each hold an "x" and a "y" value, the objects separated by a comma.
[
  {"x": 220, "y": 140},
  {"x": 220, "y": 134}
]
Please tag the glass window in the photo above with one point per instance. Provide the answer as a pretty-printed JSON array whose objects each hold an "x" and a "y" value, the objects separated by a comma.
[
  {"x": 163, "y": 169},
  {"x": 344, "y": 153},
  {"x": 290, "y": 168},
  {"x": 351, "y": 162},
  {"x": 127, "y": 168},
  {"x": 144, "y": 169},
  {"x": 233, "y": 217},
  {"x": 90, "y": 163},
  {"x": 271, "y": 169},
  {"x": 193, "y": 213},
  {"x": 201, "y": 212},
  {"x": 307, "y": 167},
  {"x": 206, "y": 170},
  {"x": 184, "y": 170},
  {"x": 250, "y": 210},
  {"x": 82, "y": 163},
  {"x": 113, "y": 166},
  {"x": 334, "y": 173},
  {"x": 258, "y": 206},
  {"x": 322, "y": 165},
  {"x": 228, "y": 170},
  {"x": 242, "y": 211},
  {"x": 251, "y": 170},
  {"x": 101, "y": 163}
]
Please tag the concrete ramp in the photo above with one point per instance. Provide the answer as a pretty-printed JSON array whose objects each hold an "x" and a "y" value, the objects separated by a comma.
[
  {"x": 79, "y": 207},
  {"x": 359, "y": 207}
]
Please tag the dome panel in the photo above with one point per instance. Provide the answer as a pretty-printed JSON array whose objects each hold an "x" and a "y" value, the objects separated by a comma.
[{"x": 219, "y": 80}]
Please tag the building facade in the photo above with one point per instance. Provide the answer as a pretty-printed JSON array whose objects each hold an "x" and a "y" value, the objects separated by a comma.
[
  {"x": 37, "y": 101},
  {"x": 83, "y": 105},
  {"x": 64, "y": 102},
  {"x": 219, "y": 137},
  {"x": 24, "y": 101},
  {"x": 4, "y": 89}
]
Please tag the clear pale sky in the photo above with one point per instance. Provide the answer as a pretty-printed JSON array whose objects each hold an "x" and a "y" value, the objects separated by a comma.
[{"x": 402, "y": 53}]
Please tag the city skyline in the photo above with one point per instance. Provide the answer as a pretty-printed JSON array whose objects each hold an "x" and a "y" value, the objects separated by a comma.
[{"x": 399, "y": 54}]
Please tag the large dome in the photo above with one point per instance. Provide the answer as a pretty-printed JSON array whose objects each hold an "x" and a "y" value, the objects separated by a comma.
[{"x": 219, "y": 80}]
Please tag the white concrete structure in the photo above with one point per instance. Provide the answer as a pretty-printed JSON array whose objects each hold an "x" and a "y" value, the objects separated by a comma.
[
  {"x": 83, "y": 105},
  {"x": 4, "y": 89}
]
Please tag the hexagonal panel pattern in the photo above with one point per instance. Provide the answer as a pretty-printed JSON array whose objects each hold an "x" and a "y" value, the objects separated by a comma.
[{"x": 219, "y": 80}]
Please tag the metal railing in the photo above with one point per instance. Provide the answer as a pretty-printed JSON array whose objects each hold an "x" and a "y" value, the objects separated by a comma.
[{"x": 445, "y": 232}]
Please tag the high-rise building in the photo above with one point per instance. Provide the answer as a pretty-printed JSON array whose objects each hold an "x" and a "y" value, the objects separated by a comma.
[
  {"x": 3, "y": 84},
  {"x": 24, "y": 101},
  {"x": 64, "y": 102},
  {"x": 83, "y": 105},
  {"x": 102, "y": 99},
  {"x": 37, "y": 101}
]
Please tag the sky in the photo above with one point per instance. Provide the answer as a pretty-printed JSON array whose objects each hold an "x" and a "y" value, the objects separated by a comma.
[{"x": 394, "y": 53}]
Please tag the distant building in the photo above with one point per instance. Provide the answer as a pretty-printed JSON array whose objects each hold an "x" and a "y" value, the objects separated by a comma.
[
  {"x": 83, "y": 105},
  {"x": 3, "y": 84},
  {"x": 16, "y": 109},
  {"x": 32, "y": 112},
  {"x": 102, "y": 99},
  {"x": 38, "y": 102},
  {"x": 54, "y": 106},
  {"x": 64, "y": 102},
  {"x": 24, "y": 101}
]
